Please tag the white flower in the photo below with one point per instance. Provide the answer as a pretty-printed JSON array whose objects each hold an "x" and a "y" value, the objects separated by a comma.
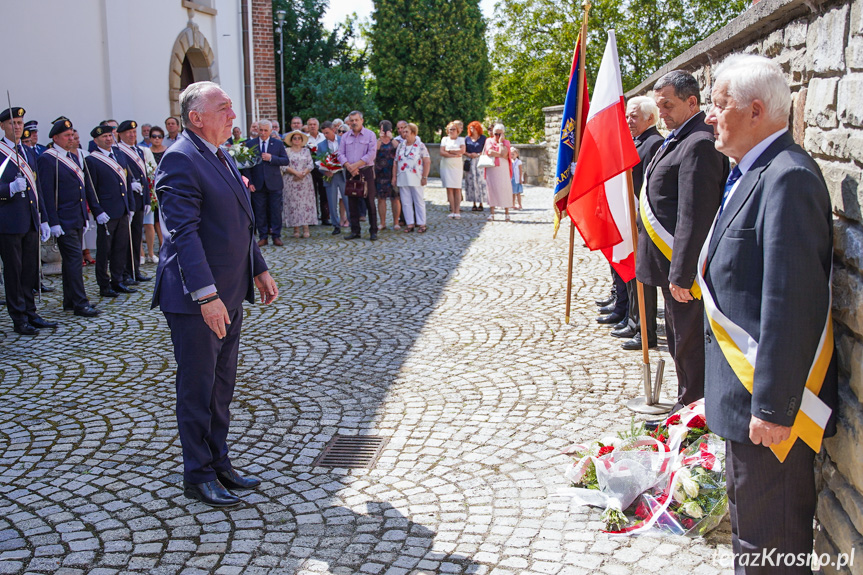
[
  {"x": 232, "y": 151},
  {"x": 692, "y": 509},
  {"x": 690, "y": 486}
]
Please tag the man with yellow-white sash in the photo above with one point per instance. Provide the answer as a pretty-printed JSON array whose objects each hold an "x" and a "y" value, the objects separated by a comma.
[{"x": 764, "y": 272}]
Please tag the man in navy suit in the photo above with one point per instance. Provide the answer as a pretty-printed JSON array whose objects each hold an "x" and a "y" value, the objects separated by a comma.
[
  {"x": 209, "y": 263},
  {"x": 67, "y": 192},
  {"x": 139, "y": 198},
  {"x": 336, "y": 185},
  {"x": 766, "y": 269},
  {"x": 266, "y": 184},
  {"x": 107, "y": 170},
  {"x": 23, "y": 220}
]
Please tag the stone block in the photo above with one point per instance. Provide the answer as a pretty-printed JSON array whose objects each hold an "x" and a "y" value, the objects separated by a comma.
[
  {"x": 843, "y": 183},
  {"x": 850, "y": 499},
  {"x": 795, "y": 33},
  {"x": 823, "y": 545},
  {"x": 849, "y": 99},
  {"x": 824, "y": 50},
  {"x": 844, "y": 447},
  {"x": 821, "y": 103},
  {"x": 848, "y": 242},
  {"x": 827, "y": 142},
  {"x": 854, "y": 53},
  {"x": 793, "y": 63},
  {"x": 850, "y": 357},
  {"x": 856, "y": 26},
  {"x": 773, "y": 44},
  {"x": 848, "y": 298},
  {"x": 838, "y": 526},
  {"x": 798, "y": 109}
]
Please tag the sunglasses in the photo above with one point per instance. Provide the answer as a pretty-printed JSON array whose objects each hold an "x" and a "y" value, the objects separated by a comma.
[{"x": 157, "y": 137}]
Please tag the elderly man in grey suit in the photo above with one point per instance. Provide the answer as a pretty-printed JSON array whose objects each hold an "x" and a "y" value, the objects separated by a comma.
[{"x": 765, "y": 274}]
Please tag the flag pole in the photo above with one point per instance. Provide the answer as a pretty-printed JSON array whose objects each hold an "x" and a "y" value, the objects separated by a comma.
[
  {"x": 651, "y": 402},
  {"x": 579, "y": 111}
]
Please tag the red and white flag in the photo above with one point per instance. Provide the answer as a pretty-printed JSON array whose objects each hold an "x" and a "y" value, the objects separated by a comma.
[{"x": 598, "y": 200}]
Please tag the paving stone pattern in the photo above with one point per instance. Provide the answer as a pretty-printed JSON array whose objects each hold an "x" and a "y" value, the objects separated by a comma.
[{"x": 450, "y": 344}]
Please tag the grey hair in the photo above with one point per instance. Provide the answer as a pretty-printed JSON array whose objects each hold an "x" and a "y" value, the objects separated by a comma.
[
  {"x": 749, "y": 77},
  {"x": 647, "y": 107},
  {"x": 192, "y": 98},
  {"x": 264, "y": 123},
  {"x": 355, "y": 113},
  {"x": 685, "y": 85},
  {"x": 498, "y": 126}
]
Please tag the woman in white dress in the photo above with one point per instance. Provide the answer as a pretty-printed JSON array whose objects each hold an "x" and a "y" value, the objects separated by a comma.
[
  {"x": 452, "y": 168},
  {"x": 499, "y": 178}
]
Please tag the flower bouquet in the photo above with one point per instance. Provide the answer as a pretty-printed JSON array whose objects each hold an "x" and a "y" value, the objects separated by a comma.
[
  {"x": 245, "y": 157},
  {"x": 329, "y": 165},
  {"x": 151, "y": 181}
]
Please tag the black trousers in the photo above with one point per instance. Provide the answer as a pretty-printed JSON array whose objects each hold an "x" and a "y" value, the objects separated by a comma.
[
  {"x": 321, "y": 193},
  {"x": 771, "y": 505},
  {"x": 20, "y": 253},
  {"x": 621, "y": 305},
  {"x": 133, "y": 261},
  {"x": 684, "y": 329},
  {"x": 650, "y": 295},
  {"x": 74, "y": 294},
  {"x": 206, "y": 375},
  {"x": 267, "y": 206},
  {"x": 369, "y": 201},
  {"x": 112, "y": 247}
]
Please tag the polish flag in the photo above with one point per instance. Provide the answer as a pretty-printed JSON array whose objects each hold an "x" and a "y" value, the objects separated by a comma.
[{"x": 598, "y": 200}]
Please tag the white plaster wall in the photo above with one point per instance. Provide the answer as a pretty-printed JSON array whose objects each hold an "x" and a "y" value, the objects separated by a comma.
[{"x": 95, "y": 59}]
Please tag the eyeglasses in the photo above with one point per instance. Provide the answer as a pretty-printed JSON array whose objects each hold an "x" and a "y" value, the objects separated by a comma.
[{"x": 154, "y": 137}]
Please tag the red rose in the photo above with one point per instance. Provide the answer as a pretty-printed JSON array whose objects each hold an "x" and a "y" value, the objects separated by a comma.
[
  {"x": 673, "y": 420},
  {"x": 687, "y": 522},
  {"x": 642, "y": 512},
  {"x": 605, "y": 450},
  {"x": 697, "y": 421}
]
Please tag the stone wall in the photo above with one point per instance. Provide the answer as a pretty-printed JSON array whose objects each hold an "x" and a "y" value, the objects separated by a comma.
[
  {"x": 820, "y": 47},
  {"x": 553, "y": 118}
]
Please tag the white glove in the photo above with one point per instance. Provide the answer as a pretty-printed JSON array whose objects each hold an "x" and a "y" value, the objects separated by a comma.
[
  {"x": 87, "y": 225},
  {"x": 57, "y": 231},
  {"x": 102, "y": 218},
  {"x": 44, "y": 231},
  {"x": 18, "y": 186},
  {"x": 147, "y": 209},
  {"x": 131, "y": 214},
  {"x": 137, "y": 187}
]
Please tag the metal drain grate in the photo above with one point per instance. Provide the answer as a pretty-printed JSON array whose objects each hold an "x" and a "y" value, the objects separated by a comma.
[{"x": 351, "y": 451}]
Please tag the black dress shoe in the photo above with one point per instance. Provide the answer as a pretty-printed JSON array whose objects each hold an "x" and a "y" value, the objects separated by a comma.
[
  {"x": 622, "y": 323},
  {"x": 47, "y": 289},
  {"x": 626, "y": 332},
  {"x": 108, "y": 292},
  {"x": 25, "y": 329},
  {"x": 609, "y": 319},
  {"x": 123, "y": 288},
  {"x": 142, "y": 278},
  {"x": 87, "y": 311},
  {"x": 212, "y": 493},
  {"x": 40, "y": 322},
  {"x": 233, "y": 480},
  {"x": 128, "y": 281},
  {"x": 608, "y": 308},
  {"x": 635, "y": 343},
  {"x": 336, "y": 231},
  {"x": 605, "y": 302},
  {"x": 353, "y": 236},
  {"x": 373, "y": 237}
]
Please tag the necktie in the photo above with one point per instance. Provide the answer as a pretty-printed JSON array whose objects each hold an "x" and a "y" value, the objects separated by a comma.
[
  {"x": 732, "y": 179},
  {"x": 72, "y": 157},
  {"x": 111, "y": 155},
  {"x": 221, "y": 155},
  {"x": 665, "y": 143},
  {"x": 263, "y": 146}
]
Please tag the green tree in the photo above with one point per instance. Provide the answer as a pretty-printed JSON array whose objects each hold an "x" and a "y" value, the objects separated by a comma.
[
  {"x": 311, "y": 51},
  {"x": 533, "y": 41},
  {"x": 328, "y": 93},
  {"x": 429, "y": 61}
]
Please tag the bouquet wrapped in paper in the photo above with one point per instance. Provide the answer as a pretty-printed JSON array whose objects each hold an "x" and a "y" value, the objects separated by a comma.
[
  {"x": 245, "y": 157},
  {"x": 328, "y": 164}
]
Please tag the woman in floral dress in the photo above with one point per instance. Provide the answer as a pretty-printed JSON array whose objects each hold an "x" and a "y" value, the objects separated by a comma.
[
  {"x": 299, "y": 194},
  {"x": 410, "y": 174}
]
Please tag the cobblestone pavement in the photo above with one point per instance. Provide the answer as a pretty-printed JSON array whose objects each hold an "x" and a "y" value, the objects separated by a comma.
[{"x": 450, "y": 344}]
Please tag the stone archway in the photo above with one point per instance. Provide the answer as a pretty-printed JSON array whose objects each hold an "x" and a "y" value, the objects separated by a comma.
[{"x": 192, "y": 60}]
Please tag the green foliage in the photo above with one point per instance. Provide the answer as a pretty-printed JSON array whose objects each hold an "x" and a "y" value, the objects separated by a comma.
[
  {"x": 313, "y": 53},
  {"x": 429, "y": 60},
  {"x": 534, "y": 40},
  {"x": 328, "y": 93}
]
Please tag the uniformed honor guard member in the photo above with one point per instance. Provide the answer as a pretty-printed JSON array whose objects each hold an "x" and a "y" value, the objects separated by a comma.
[
  {"x": 31, "y": 138},
  {"x": 139, "y": 202},
  {"x": 111, "y": 182},
  {"x": 21, "y": 225},
  {"x": 66, "y": 193}
]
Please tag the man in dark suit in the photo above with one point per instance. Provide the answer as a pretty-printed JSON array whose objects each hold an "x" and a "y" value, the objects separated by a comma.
[
  {"x": 139, "y": 198},
  {"x": 107, "y": 170},
  {"x": 682, "y": 194},
  {"x": 336, "y": 185},
  {"x": 208, "y": 265},
  {"x": 641, "y": 117},
  {"x": 23, "y": 221},
  {"x": 266, "y": 184},
  {"x": 767, "y": 267},
  {"x": 67, "y": 192},
  {"x": 31, "y": 138}
]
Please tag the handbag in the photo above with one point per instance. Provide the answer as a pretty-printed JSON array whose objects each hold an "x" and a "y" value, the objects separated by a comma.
[
  {"x": 467, "y": 164},
  {"x": 485, "y": 161},
  {"x": 355, "y": 187}
]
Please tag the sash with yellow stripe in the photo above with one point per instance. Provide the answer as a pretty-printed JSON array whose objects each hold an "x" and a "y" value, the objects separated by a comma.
[
  {"x": 658, "y": 234},
  {"x": 741, "y": 353}
]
